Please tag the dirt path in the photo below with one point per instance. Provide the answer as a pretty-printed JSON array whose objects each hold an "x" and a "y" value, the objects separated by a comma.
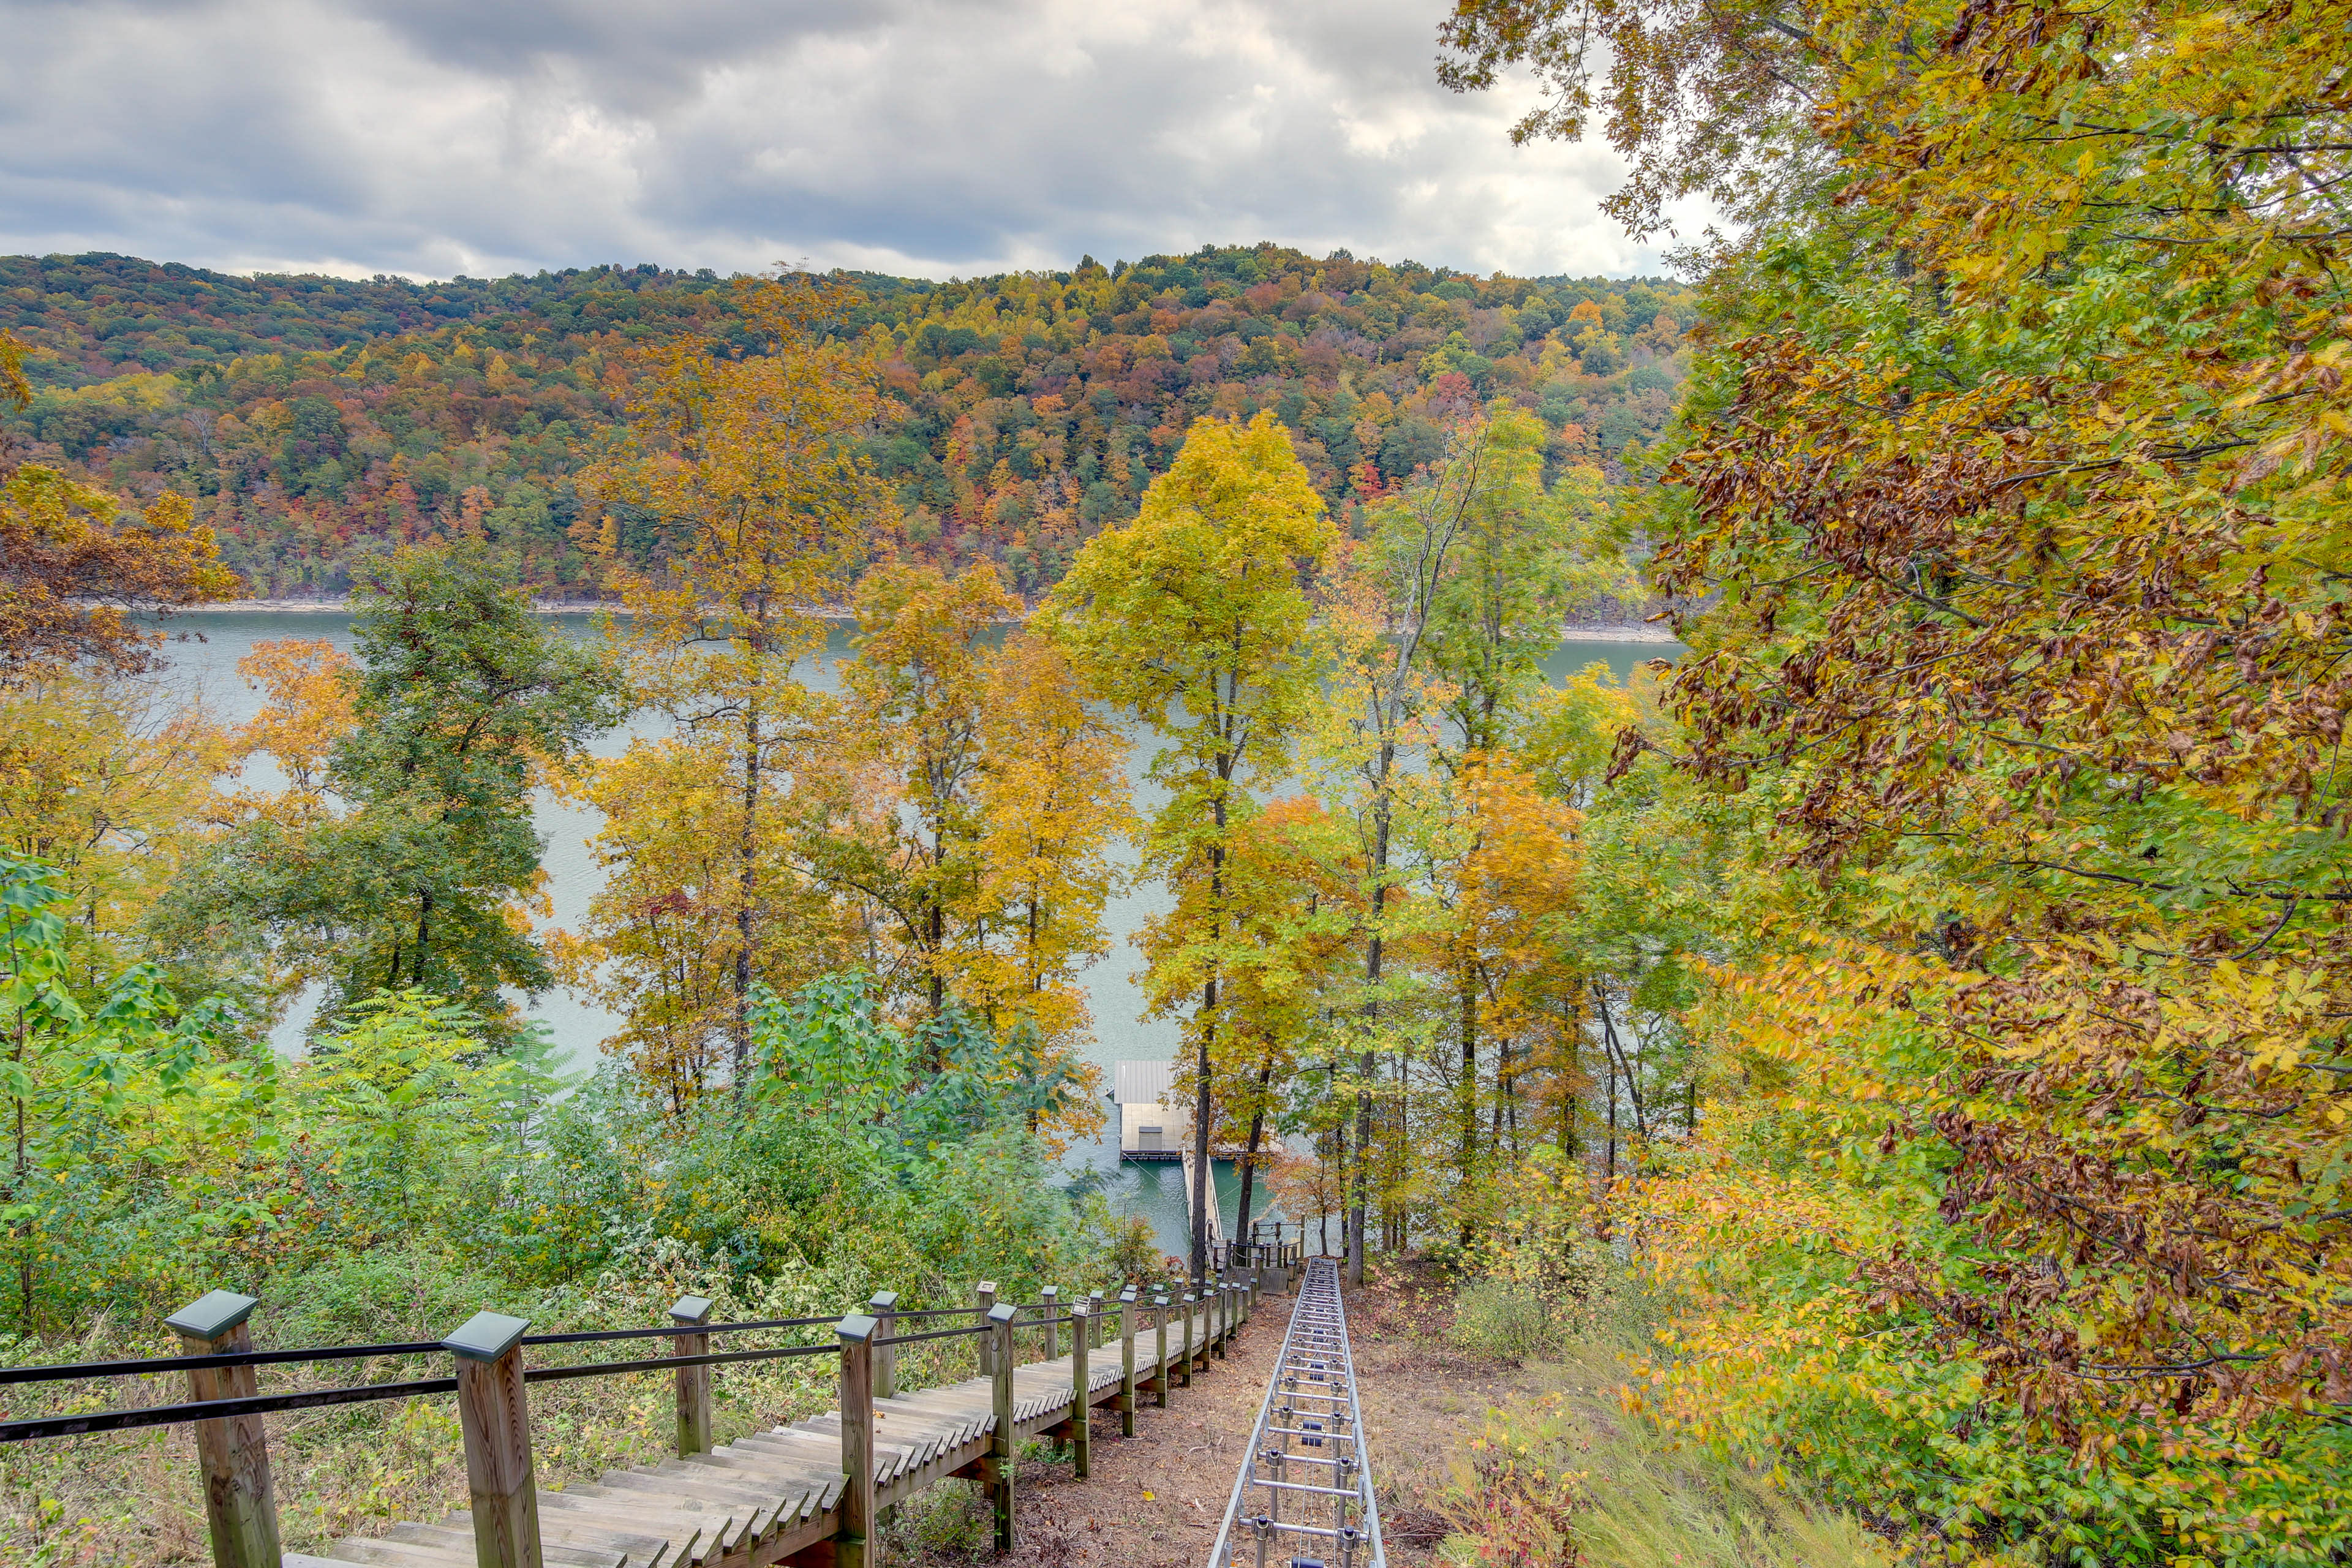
[{"x": 1155, "y": 1500}]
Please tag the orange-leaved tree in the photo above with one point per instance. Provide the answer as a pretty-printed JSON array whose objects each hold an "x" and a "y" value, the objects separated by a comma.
[{"x": 76, "y": 563}]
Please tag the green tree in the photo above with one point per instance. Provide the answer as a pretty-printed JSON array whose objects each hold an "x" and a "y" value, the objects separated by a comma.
[
  {"x": 422, "y": 872},
  {"x": 415, "y": 1108},
  {"x": 1524, "y": 556},
  {"x": 105, "y": 1085}
]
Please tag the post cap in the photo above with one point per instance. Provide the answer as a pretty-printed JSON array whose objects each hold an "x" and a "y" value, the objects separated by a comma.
[
  {"x": 883, "y": 1301},
  {"x": 987, "y": 1287},
  {"x": 486, "y": 1336},
  {"x": 213, "y": 1314},
  {"x": 691, "y": 1310},
  {"x": 1003, "y": 1312},
  {"x": 856, "y": 1326},
  {"x": 1050, "y": 1292},
  {"x": 1127, "y": 1294},
  {"x": 1080, "y": 1309}
]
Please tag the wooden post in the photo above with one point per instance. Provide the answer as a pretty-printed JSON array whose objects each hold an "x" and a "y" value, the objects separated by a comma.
[
  {"x": 1081, "y": 1331},
  {"x": 1094, "y": 1321},
  {"x": 853, "y": 1536},
  {"x": 233, "y": 1455},
  {"x": 1218, "y": 1317},
  {"x": 497, "y": 1422},
  {"x": 1051, "y": 1296},
  {"x": 884, "y": 1310},
  {"x": 693, "y": 1382},
  {"x": 1160, "y": 1361},
  {"x": 1003, "y": 1442},
  {"x": 984, "y": 1293},
  {"x": 1187, "y": 1308},
  {"x": 1126, "y": 1363}
]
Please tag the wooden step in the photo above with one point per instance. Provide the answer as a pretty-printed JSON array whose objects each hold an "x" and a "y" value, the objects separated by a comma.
[
  {"x": 402, "y": 1553},
  {"x": 554, "y": 1546}
]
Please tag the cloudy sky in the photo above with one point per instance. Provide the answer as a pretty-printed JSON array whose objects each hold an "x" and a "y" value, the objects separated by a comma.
[{"x": 433, "y": 137}]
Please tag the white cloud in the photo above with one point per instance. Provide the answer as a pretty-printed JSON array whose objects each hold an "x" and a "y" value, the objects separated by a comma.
[{"x": 929, "y": 137}]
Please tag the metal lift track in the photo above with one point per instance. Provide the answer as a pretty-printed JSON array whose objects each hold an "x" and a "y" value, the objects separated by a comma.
[{"x": 1303, "y": 1497}]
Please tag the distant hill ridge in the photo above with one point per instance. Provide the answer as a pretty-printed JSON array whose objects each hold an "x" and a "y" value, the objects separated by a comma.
[{"x": 317, "y": 418}]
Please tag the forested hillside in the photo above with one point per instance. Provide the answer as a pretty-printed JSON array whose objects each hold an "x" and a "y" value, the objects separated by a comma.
[{"x": 318, "y": 420}]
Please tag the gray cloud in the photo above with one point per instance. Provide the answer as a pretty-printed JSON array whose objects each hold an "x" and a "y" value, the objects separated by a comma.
[{"x": 918, "y": 136}]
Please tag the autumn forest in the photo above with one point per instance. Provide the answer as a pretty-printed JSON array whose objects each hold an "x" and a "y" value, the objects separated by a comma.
[
  {"x": 319, "y": 420},
  {"x": 1868, "y": 1085}
]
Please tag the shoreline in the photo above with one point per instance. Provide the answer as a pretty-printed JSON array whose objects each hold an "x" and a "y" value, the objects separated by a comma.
[
  {"x": 344, "y": 607},
  {"x": 1613, "y": 631}
]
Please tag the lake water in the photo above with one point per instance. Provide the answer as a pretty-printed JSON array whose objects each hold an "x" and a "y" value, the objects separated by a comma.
[{"x": 203, "y": 661}]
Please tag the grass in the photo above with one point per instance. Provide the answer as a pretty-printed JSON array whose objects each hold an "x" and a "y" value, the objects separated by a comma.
[{"x": 1564, "y": 1477}]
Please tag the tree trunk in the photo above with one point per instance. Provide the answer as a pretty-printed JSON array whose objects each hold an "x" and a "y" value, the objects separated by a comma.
[
  {"x": 1205, "y": 1185},
  {"x": 935, "y": 933},
  {"x": 1365, "y": 1066},
  {"x": 1249, "y": 1151},
  {"x": 1339, "y": 1166},
  {"x": 1617, "y": 1051},
  {"x": 747, "y": 888},
  {"x": 1373, "y": 953},
  {"x": 1569, "y": 1098},
  {"x": 1609, "y": 1169},
  {"x": 1467, "y": 1096},
  {"x": 424, "y": 930},
  {"x": 1502, "y": 1093}
]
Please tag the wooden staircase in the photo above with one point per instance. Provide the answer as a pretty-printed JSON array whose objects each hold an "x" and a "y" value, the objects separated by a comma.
[{"x": 773, "y": 1497}]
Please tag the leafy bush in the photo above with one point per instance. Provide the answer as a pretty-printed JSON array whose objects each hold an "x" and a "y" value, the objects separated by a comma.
[{"x": 1501, "y": 1321}]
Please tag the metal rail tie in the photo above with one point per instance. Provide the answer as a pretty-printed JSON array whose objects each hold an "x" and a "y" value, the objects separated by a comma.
[{"x": 1314, "y": 1363}]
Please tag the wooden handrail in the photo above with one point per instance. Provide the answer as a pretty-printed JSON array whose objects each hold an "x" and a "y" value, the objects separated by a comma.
[{"x": 491, "y": 1388}]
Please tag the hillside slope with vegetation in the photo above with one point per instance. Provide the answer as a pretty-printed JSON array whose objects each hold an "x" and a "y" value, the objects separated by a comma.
[{"x": 316, "y": 421}]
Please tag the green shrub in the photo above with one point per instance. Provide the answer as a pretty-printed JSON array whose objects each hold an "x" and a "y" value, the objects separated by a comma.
[
  {"x": 1501, "y": 1321},
  {"x": 951, "y": 1517}
]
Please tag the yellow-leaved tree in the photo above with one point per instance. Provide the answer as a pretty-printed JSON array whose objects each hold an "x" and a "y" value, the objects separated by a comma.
[
  {"x": 917, "y": 691},
  {"x": 738, "y": 475},
  {"x": 1194, "y": 619},
  {"x": 1054, "y": 798}
]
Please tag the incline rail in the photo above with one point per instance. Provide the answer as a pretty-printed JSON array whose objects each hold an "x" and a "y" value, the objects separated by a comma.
[{"x": 1305, "y": 1491}]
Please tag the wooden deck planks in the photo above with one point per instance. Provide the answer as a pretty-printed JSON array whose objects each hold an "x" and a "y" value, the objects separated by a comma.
[{"x": 755, "y": 1501}]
